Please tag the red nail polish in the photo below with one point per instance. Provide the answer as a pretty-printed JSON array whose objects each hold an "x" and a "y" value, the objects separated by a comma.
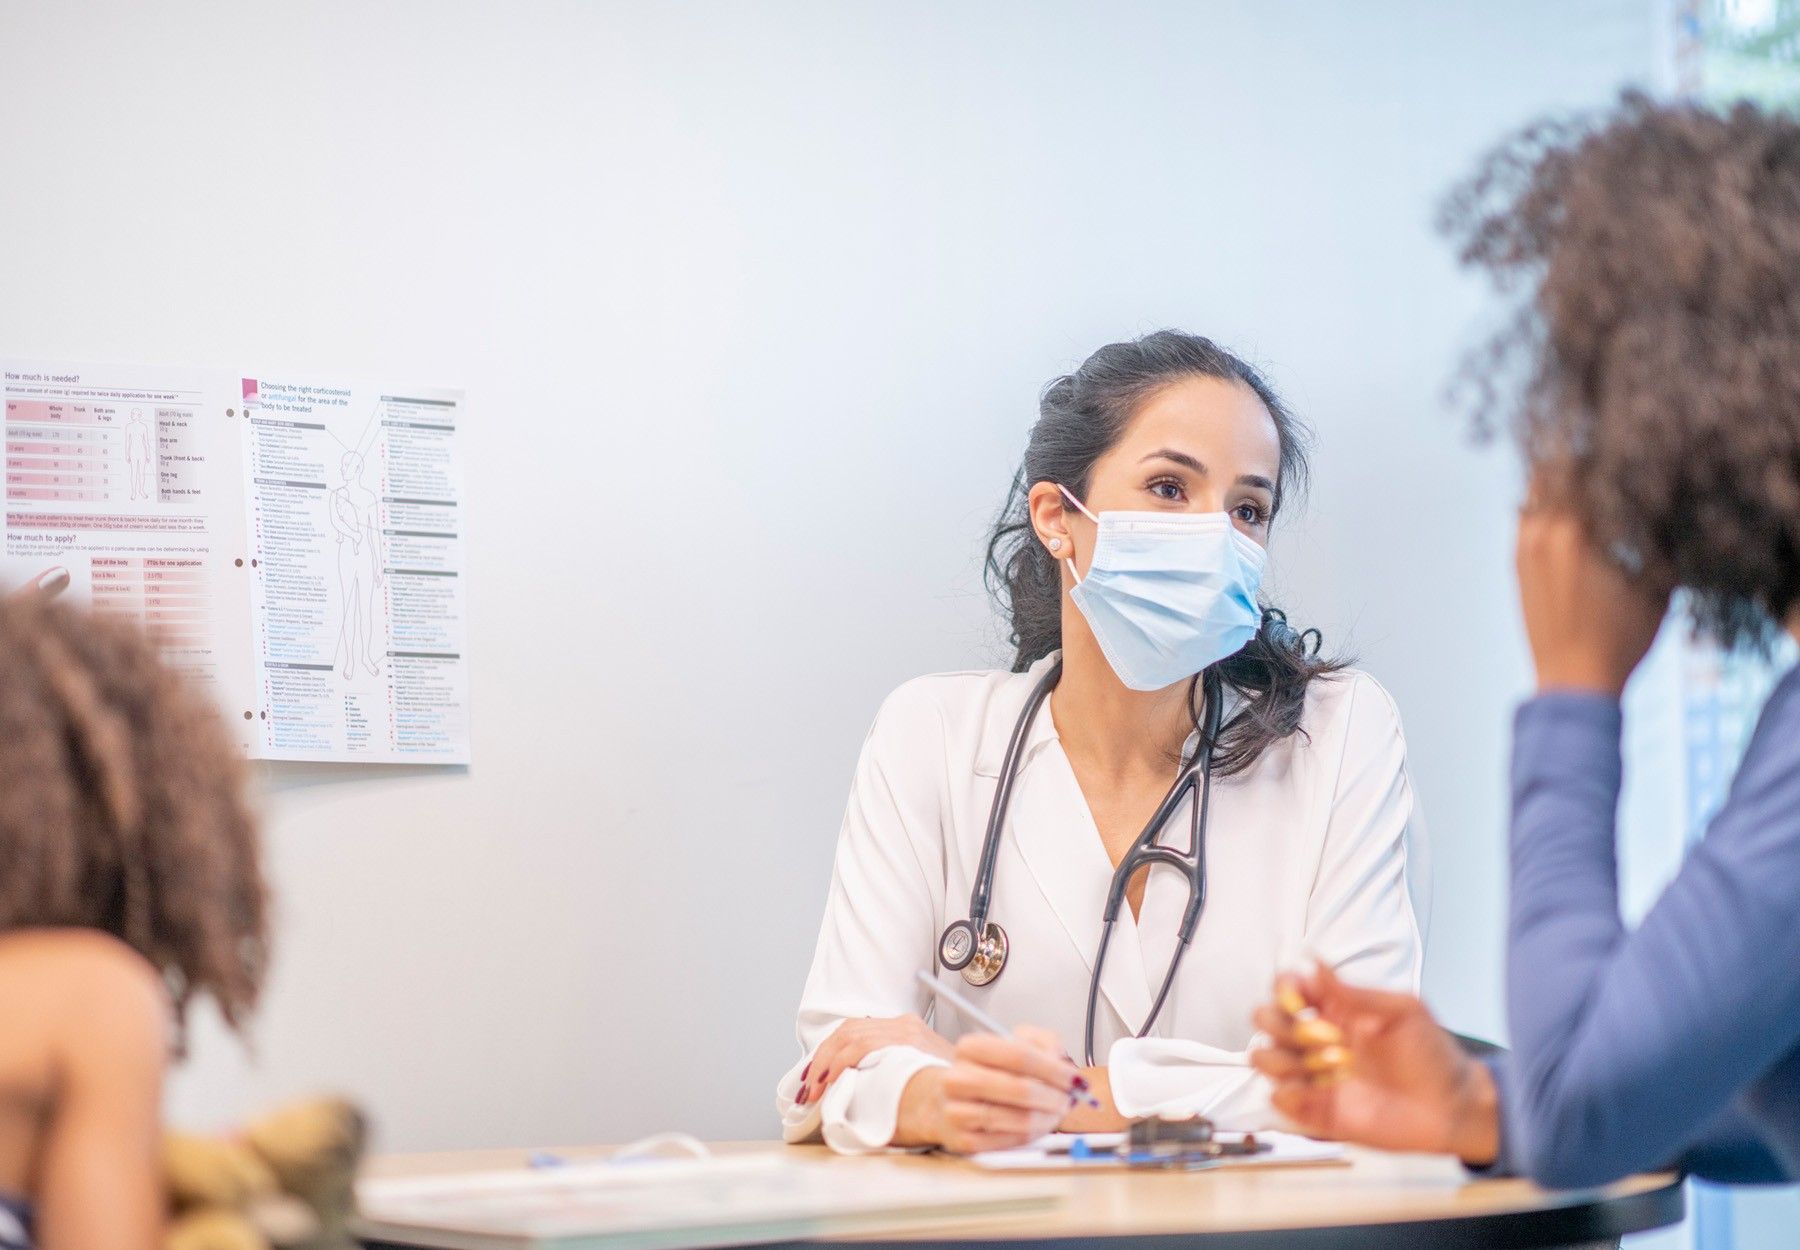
[
  {"x": 823, "y": 1077},
  {"x": 1081, "y": 1082},
  {"x": 803, "y": 1072},
  {"x": 801, "y": 1100}
]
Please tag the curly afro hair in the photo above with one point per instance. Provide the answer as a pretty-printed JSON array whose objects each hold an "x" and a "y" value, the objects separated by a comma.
[
  {"x": 1652, "y": 367},
  {"x": 122, "y": 805}
]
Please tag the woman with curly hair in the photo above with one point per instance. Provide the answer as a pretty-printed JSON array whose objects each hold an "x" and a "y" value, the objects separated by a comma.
[
  {"x": 129, "y": 885},
  {"x": 1659, "y": 358}
]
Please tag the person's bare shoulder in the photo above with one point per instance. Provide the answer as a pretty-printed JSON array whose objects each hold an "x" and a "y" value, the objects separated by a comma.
[
  {"x": 78, "y": 1005},
  {"x": 83, "y": 992},
  {"x": 77, "y": 959}
]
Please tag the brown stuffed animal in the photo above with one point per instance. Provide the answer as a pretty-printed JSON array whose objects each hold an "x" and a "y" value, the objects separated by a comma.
[{"x": 286, "y": 1182}]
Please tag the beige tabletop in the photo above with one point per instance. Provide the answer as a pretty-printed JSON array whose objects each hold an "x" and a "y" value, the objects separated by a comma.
[{"x": 1390, "y": 1201}]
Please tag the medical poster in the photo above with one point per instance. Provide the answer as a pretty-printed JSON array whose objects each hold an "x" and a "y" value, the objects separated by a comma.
[
  {"x": 356, "y": 539},
  {"x": 295, "y": 543},
  {"x": 123, "y": 486}
]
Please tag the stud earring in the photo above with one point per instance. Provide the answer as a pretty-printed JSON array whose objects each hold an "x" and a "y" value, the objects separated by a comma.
[{"x": 1056, "y": 544}]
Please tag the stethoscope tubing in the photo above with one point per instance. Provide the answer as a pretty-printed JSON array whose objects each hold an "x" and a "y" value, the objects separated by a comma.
[
  {"x": 982, "y": 893},
  {"x": 1144, "y": 851}
]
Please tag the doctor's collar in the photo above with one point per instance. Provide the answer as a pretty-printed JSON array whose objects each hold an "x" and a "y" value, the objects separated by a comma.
[{"x": 1002, "y": 714}]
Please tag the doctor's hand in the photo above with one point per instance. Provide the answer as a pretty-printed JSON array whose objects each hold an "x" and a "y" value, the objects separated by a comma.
[
  {"x": 998, "y": 1092},
  {"x": 1409, "y": 1085},
  {"x": 1589, "y": 622},
  {"x": 855, "y": 1040}
]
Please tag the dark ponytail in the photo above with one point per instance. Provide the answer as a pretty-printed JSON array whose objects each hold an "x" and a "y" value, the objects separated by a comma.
[{"x": 1081, "y": 415}]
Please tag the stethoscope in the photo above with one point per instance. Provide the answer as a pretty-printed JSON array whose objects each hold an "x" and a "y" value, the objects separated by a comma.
[{"x": 981, "y": 959}]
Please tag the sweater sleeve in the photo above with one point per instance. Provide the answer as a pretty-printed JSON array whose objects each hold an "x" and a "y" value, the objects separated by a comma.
[
  {"x": 1728, "y": 1151},
  {"x": 1631, "y": 1046}
]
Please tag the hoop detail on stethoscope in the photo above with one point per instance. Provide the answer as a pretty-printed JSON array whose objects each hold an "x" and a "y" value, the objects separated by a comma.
[{"x": 977, "y": 947}]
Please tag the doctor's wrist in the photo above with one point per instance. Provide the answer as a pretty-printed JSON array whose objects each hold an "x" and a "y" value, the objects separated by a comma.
[
  {"x": 1105, "y": 1118},
  {"x": 920, "y": 1120}
]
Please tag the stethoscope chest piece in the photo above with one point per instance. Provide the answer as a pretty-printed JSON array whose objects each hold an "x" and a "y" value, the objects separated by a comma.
[{"x": 979, "y": 962}]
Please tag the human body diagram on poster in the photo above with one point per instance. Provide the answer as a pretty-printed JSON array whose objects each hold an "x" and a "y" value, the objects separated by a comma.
[{"x": 354, "y": 512}]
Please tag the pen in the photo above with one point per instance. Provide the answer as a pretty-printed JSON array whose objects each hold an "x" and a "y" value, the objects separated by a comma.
[{"x": 988, "y": 1022}]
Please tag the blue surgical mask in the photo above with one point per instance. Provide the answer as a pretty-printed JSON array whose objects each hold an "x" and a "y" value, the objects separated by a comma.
[{"x": 1168, "y": 593}]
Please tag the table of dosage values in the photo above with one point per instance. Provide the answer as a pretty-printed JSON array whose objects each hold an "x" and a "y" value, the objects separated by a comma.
[{"x": 295, "y": 542}]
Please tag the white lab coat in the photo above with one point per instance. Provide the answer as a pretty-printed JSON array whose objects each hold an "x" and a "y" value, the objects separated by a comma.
[{"x": 1307, "y": 856}]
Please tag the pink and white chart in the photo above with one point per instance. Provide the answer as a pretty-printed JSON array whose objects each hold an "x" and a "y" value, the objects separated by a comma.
[{"x": 295, "y": 543}]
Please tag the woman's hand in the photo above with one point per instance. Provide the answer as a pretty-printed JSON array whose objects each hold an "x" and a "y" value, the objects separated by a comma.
[
  {"x": 998, "y": 1092},
  {"x": 48, "y": 584},
  {"x": 1409, "y": 1085},
  {"x": 855, "y": 1040},
  {"x": 1095, "y": 1112},
  {"x": 1589, "y": 624}
]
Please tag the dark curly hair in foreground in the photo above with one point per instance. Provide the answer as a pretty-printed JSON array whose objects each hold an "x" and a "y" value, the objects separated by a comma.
[
  {"x": 1654, "y": 365},
  {"x": 122, "y": 805}
]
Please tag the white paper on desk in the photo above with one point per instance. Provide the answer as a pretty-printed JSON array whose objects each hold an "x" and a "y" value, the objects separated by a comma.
[
  {"x": 1050, "y": 1153},
  {"x": 658, "y": 1204}
]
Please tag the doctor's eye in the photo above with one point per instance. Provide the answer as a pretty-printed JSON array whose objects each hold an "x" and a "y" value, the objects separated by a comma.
[
  {"x": 1168, "y": 489},
  {"x": 1251, "y": 513}
]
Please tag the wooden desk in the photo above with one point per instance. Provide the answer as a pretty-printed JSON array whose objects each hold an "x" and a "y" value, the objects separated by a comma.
[{"x": 1378, "y": 1202}]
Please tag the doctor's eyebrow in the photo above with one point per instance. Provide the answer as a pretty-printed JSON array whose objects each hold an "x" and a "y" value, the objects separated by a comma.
[{"x": 1187, "y": 461}]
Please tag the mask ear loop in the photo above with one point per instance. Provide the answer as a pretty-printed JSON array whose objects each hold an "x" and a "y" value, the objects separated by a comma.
[{"x": 1067, "y": 494}]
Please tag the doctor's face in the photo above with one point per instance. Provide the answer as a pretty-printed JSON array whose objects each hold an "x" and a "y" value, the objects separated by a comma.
[{"x": 1198, "y": 445}]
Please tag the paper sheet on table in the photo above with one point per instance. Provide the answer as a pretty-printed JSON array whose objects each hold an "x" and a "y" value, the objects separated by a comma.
[
  {"x": 655, "y": 1204},
  {"x": 1051, "y": 1153}
]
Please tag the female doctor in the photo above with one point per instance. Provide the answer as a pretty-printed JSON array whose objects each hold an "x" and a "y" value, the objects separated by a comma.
[{"x": 1128, "y": 557}]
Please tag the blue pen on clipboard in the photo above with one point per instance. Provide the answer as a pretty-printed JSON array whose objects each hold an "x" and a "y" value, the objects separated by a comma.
[{"x": 1082, "y": 1091}]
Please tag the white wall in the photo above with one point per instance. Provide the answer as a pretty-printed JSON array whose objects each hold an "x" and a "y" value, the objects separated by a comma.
[{"x": 752, "y": 302}]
